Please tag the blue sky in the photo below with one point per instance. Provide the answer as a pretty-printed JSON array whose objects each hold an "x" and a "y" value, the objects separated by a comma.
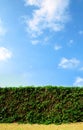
[{"x": 41, "y": 42}]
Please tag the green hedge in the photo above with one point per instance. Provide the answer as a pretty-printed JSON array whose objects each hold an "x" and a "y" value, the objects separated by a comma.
[{"x": 42, "y": 105}]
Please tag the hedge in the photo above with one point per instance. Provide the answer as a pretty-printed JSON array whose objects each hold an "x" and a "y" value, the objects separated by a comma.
[{"x": 41, "y": 105}]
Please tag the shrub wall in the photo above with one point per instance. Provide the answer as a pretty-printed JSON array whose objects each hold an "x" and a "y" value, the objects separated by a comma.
[{"x": 42, "y": 105}]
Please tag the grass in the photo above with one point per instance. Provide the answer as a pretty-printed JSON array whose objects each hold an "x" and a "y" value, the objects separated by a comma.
[{"x": 15, "y": 126}]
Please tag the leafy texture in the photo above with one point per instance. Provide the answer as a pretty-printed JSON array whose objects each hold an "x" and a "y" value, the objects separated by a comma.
[{"x": 42, "y": 105}]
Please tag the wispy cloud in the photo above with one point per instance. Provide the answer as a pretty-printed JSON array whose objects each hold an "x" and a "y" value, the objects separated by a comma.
[
  {"x": 78, "y": 81},
  {"x": 70, "y": 43},
  {"x": 43, "y": 41},
  {"x": 57, "y": 47},
  {"x": 81, "y": 69},
  {"x": 81, "y": 32},
  {"x": 5, "y": 54},
  {"x": 35, "y": 42},
  {"x": 68, "y": 63},
  {"x": 49, "y": 14},
  {"x": 2, "y": 28}
]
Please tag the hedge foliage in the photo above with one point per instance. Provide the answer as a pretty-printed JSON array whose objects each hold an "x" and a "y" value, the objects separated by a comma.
[{"x": 42, "y": 105}]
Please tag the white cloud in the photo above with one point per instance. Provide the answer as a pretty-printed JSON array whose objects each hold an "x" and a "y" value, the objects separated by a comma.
[
  {"x": 49, "y": 14},
  {"x": 5, "y": 54},
  {"x": 78, "y": 81},
  {"x": 35, "y": 42},
  {"x": 57, "y": 47},
  {"x": 68, "y": 63},
  {"x": 2, "y": 29},
  {"x": 33, "y": 2}
]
